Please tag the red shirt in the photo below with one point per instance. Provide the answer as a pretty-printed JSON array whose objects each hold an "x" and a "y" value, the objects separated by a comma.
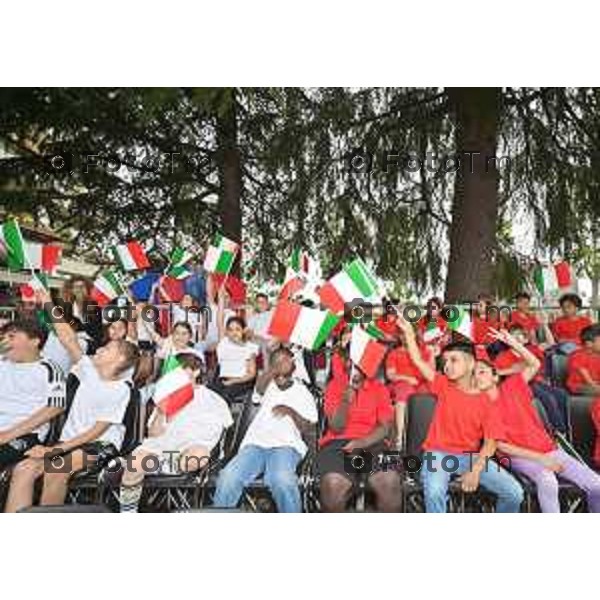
[
  {"x": 587, "y": 360},
  {"x": 528, "y": 321},
  {"x": 595, "y": 414},
  {"x": 339, "y": 367},
  {"x": 568, "y": 329},
  {"x": 522, "y": 423},
  {"x": 387, "y": 323},
  {"x": 370, "y": 407},
  {"x": 461, "y": 421},
  {"x": 399, "y": 360},
  {"x": 507, "y": 358},
  {"x": 481, "y": 329}
]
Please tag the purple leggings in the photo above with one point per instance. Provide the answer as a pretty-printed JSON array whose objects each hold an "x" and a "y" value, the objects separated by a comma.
[{"x": 547, "y": 485}]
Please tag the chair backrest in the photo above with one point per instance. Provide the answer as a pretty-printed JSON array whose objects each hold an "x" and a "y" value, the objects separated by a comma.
[
  {"x": 559, "y": 363},
  {"x": 582, "y": 426},
  {"x": 131, "y": 420},
  {"x": 56, "y": 425},
  {"x": 419, "y": 414},
  {"x": 243, "y": 415},
  {"x": 543, "y": 415}
]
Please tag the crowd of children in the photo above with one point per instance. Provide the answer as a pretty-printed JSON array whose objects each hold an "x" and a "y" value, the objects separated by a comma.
[{"x": 504, "y": 394}]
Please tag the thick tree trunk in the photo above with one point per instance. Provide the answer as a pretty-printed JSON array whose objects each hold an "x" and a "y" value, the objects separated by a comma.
[
  {"x": 595, "y": 301},
  {"x": 475, "y": 207},
  {"x": 230, "y": 171}
]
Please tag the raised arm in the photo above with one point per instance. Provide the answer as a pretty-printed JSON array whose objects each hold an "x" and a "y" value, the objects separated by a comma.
[
  {"x": 64, "y": 331},
  {"x": 410, "y": 340},
  {"x": 532, "y": 364}
]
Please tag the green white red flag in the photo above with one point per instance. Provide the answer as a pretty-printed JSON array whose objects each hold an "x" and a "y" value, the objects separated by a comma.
[
  {"x": 131, "y": 256},
  {"x": 463, "y": 324},
  {"x": 13, "y": 245},
  {"x": 106, "y": 288},
  {"x": 220, "y": 255},
  {"x": 355, "y": 281},
  {"x": 177, "y": 267},
  {"x": 174, "y": 389},
  {"x": 365, "y": 352},
  {"x": 553, "y": 279},
  {"x": 307, "y": 327}
]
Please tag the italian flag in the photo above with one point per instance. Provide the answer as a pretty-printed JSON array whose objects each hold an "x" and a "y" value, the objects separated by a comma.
[
  {"x": 177, "y": 264},
  {"x": 293, "y": 284},
  {"x": 44, "y": 257},
  {"x": 553, "y": 278},
  {"x": 220, "y": 255},
  {"x": 174, "y": 389},
  {"x": 432, "y": 332},
  {"x": 106, "y": 288},
  {"x": 355, "y": 281},
  {"x": 302, "y": 263},
  {"x": 307, "y": 327},
  {"x": 38, "y": 283},
  {"x": 365, "y": 352},
  {"x": 14, "y": 245},
  {"x": 463, "y": 324},
  {"x": 131, "y": 256}
]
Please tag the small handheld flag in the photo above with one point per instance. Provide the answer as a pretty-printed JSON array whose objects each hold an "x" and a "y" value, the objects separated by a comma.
[
  {"x": 220, "y": 255},
  {"x": 174, "y": 389},
  {"x": 131, "y": 256}
]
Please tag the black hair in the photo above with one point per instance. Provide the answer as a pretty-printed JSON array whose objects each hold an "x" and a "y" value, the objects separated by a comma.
[
  {"x": 523, "y": 295},
  {"x": 32, "y": 329},
  {"x": 185, "y": 325},
  {"x": 464, "y": 347},
  {"x": 590, "y": 333},
  {"x": 236, "y": 319},
  {"x": 262, "y": 295},
  {"x": 573, "y": 298}
]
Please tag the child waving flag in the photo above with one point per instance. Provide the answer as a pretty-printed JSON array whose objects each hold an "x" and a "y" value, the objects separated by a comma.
[{"x": 220, "y": 255}]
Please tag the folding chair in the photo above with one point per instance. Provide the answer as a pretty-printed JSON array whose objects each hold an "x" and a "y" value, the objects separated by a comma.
[
  {"x": 86, "y": 487},
  {"x": 419, "y": 414}
]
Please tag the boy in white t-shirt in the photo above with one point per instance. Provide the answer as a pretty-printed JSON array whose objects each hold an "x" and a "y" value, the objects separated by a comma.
[
  {"x": 273, "y": 444},
  {"x": 32, "y": 390},
  {"x": 94, "y": 424},
  {"x": 190, "y": 434}
]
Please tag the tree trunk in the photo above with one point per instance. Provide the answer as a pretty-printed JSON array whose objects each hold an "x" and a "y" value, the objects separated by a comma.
[
  {"x": 230, "y": 172},
  {"x": 475, "y": 206},
  {"x": 595, "y": 300}
]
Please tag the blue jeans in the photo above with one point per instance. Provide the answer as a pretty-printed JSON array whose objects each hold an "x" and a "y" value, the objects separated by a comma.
[
  {"x": 279, "y": 467},
  {"x": 555, "y": 402},
  {"x": 493, "y": 478}
]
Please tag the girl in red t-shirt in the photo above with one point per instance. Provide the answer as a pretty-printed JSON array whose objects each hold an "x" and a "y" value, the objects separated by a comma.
[{"x": 527, "y": 446}]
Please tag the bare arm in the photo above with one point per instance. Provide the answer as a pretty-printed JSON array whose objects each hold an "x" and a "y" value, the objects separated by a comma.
[
  {"x": 30, "y": 424},
  {"x": 589, "y": 382},
  {"x": 337, "y": 421},
  {"x": 426, "y": 369},
  {"x": 64, "y": 332},
  {"x": 532, "y": 364}
]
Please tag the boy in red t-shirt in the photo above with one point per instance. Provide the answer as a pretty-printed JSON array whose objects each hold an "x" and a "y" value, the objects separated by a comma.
[
  {"x": 463, "y": 417},
  {"x": 568, "y": 327},
  {"x": 527, "y": 444},
  {"x": 509, "y": 362},
  {"x": 523, "y": 316},
  {"x": 360, "y": 417},
  {"x": 583, "y": 368}
]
